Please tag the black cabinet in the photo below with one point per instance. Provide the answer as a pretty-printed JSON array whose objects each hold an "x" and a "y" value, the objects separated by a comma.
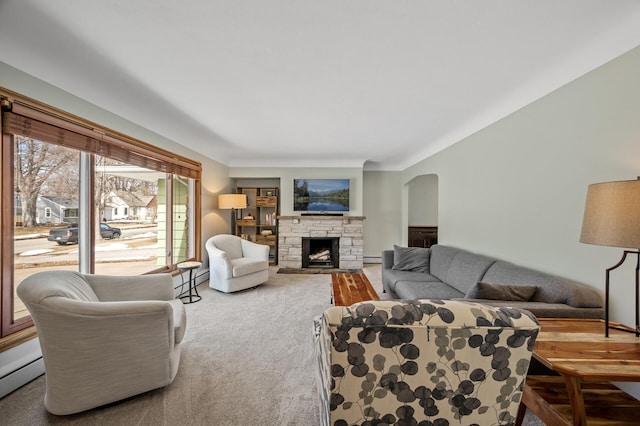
[{"x": 423, "y": 236}]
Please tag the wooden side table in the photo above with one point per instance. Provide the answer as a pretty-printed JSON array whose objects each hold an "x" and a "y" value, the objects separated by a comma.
[
  {"x": 188, "y": 296},
  {"x": 586, "y": 362}
]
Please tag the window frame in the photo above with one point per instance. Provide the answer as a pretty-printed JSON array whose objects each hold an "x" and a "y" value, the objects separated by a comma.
[{"x": 99, "y": 140}]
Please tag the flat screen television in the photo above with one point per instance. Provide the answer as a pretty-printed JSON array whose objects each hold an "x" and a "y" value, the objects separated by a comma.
[{"x": 321, "y": 195}]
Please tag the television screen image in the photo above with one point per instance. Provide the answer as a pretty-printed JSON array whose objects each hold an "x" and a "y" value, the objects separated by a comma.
[{"x": 320, "y": 195}]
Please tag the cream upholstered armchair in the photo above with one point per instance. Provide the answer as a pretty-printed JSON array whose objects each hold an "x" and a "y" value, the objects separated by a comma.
[
  {"x": 236, "y": 264},
  {"x": 404, "y": 362},
  {"x": 103, "y": 338}
]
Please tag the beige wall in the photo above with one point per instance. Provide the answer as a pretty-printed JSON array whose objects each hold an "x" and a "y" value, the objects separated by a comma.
[
  {"x": 423, "y": 201},
  {"x": 383, "y": 209}
]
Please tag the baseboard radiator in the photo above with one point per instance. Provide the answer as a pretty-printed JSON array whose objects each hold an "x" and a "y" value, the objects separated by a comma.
[{"x": 20, "y": 365}]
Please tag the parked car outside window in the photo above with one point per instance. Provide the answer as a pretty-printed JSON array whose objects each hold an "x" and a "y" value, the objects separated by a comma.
[
  {"x": 69, "y": 234},
  {"x": 109, "y": 232}
]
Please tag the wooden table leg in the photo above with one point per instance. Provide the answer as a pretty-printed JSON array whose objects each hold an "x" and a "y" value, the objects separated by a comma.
[
  {"x": 574, "y": 390},
  {"x": 522, "y": 410},
  {"x": 534, "y": 401}
]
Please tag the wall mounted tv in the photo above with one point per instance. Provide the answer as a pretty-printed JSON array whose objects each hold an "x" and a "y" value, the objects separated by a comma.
[{"x": 321, "y": 195}]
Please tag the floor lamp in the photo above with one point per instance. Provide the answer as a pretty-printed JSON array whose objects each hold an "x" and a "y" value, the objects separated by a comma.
[
  {"x": 612, "y": 218},
  {"x": 232, "y": 202}
]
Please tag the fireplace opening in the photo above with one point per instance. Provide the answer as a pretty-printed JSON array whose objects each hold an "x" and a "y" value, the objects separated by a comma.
[{"x": 321, "y": 252}]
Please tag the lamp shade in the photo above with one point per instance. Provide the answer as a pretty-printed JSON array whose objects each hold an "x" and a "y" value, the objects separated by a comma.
[
  {"x": 232, "y": 201},
  {"x": 612, "y": 214}
]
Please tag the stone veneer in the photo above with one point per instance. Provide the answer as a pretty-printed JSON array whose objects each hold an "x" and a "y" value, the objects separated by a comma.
[{"x": 350, "y": 230}]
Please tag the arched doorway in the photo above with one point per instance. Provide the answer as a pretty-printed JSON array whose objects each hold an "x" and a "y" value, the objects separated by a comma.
[{"x": 423, "y": 211}]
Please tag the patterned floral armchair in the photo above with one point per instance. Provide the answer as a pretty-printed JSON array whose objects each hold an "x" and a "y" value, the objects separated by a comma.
[{"x": 424, "y": 362}]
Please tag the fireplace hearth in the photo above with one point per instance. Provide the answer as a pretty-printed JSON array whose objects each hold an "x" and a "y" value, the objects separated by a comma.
[{"x": 320, "y": 252}]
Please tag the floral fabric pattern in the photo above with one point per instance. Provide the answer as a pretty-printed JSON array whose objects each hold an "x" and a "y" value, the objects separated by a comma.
[{"x": 423, "y": 362}]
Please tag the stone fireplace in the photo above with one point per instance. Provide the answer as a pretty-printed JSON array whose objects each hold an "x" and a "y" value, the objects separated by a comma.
[{"x": 345, "y": 234}]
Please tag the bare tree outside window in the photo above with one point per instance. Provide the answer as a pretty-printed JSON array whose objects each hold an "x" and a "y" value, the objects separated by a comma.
[{"x": 35, "y": 165}]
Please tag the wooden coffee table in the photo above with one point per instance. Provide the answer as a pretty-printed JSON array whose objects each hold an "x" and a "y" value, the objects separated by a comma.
[
  {"x": 586, "y": 362},
  {"x": 348, "y": 289}
]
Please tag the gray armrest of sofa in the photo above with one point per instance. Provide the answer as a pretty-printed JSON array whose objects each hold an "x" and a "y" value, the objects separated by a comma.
[
  {"x": 387, "y": 259},
  {"x": 391, "y": 277}
]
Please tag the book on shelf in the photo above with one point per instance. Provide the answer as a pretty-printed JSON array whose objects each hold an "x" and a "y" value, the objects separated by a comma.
[{"x": 270, "y": 219}]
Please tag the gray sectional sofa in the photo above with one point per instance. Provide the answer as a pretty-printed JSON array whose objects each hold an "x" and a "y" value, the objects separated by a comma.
[{"x": 449, "y": 273}]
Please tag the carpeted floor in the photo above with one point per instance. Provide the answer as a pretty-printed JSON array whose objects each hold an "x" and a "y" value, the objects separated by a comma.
[{"x": 247, "y": 359}]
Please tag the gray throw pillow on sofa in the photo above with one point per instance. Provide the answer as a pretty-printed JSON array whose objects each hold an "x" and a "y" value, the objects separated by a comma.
[
  {"x": 512, "y": 293},
  {"x": 415, "y": 259}
]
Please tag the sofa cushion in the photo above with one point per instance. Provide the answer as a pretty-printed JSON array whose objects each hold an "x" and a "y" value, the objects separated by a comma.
[
  {"x": 246, "y": 265},
  {"x": 551, "y": 289},
  {"x": 544, "y": 310},
  {"x": 391, "y": 277},
  {"x": 440, "y": 260},
  {"x": 467, "y": 269},
  {"x": 415, "y": 259},
  {"x": 420, "y": 290},
  {"x": 519, "y": 293}
]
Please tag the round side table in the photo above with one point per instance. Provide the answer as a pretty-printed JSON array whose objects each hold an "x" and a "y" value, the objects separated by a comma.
[{"x": 188, "y": 296}]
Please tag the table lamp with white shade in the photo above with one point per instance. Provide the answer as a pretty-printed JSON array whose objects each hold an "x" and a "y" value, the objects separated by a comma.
[
  {"x": 232, "y": 202},
  {"x": 612, "y": 218}
]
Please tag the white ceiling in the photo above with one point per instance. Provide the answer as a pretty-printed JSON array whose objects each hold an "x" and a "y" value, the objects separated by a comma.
[{"x": 379, "y": 84}]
